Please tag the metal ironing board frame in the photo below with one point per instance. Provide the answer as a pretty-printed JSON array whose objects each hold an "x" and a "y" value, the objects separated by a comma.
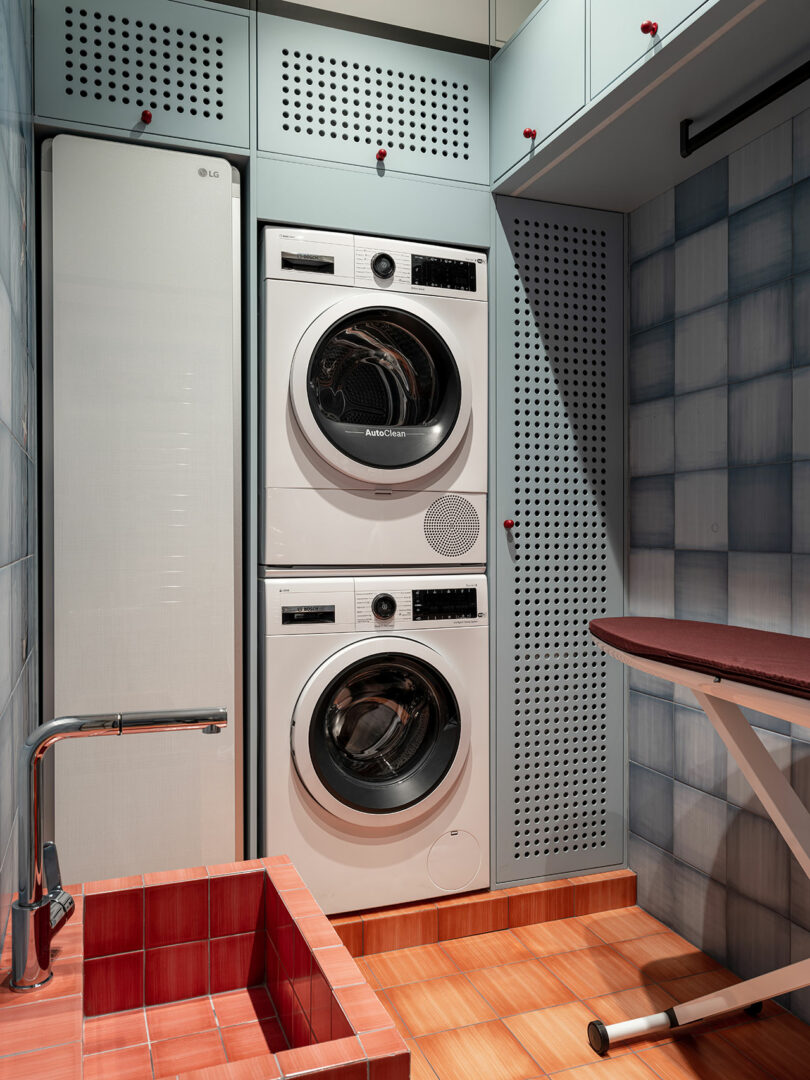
[{"x": 720, "y": 699}]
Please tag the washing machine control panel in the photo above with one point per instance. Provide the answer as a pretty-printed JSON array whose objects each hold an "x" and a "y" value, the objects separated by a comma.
[{"x": 419, "y": 603}]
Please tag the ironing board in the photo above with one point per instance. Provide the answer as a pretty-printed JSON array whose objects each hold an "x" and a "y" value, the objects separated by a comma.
[{"x": 724, "y": 667}]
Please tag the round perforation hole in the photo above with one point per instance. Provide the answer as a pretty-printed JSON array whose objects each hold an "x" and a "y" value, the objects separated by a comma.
[{"x": 452, "y": 525}]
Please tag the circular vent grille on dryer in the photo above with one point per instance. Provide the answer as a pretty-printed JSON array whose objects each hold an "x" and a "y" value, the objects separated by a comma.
[{"x": 452, "y": 525}]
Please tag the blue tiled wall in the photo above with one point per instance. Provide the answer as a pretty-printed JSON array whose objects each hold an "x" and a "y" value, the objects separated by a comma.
[
  {"x": 719, "y": 388},
  {"x": 18, "y": 570}
]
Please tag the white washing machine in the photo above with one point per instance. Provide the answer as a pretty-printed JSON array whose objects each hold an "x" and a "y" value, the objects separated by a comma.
[
  {"x": 374, "y": 402},
  {"x": 376, "y": 735}
]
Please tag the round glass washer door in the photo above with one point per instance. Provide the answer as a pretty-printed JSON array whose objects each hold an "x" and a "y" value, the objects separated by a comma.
[
  {"x": 377, "y": 389},
  {"x": 381, "y": 732}
]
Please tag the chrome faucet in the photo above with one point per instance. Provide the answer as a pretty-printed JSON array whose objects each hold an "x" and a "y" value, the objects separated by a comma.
[{"x": 43, "y": 907}]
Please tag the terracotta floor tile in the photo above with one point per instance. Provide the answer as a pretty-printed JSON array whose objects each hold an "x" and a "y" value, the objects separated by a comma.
[
  {"x": 631, "y": 1004},
  {"x": 397, "y": 1020},
  {"x": 562, "y": 935},
  {"x": 133, "y": 1063},
  {"x": 253, "y": 1040},
  {"x": 486, "y": 950},
  {"x": 191, "y": 1052},
  {"x": 68, "y": 942},
  {"x": 557, "y": 1037},
  {"x": 439, "y": 1004},
  {"x": 421, "y": 1069},
  {"x": 180, "y": 1018},
  {"x": 708, "y": 1057},
  {"x": 484, "y": 1050},
  {"x": 410, "y": 965},
  {"x": 67, "y": 980},
  {"x": 518, "y": 988},
  {"x": 33, "y": 1025},
  {"x": 694, "y": 986},
  {"x": 784, "y": 1039},
  {"x": 57, "y": 1063},
  {"x": 665, "y": 956},
  {"x": 591, "y": 972},
  {"x": 114, "y": 1032},
  {"x": 622, "y": 924},
  {"x": 242, "y": 1006},
  {"x": 627, "y": 1067}
]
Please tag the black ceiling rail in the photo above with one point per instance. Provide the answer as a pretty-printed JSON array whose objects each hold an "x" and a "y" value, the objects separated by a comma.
[{"x": 782, "y": 86}]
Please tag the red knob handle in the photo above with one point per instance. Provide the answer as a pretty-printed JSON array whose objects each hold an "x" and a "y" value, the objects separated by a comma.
[
  {"x": 509, "y": 524},
  {"x": 529, "y": 133},
  {"x": 146, "y": 116},
  {"x": 649, "y": 27},
  {"x": 382, "y": 154}
]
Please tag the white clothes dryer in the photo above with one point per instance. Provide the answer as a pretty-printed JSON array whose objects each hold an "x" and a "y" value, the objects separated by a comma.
[
  {"x": 376, "y": 735},
  {"x": 374, "y": 402}
]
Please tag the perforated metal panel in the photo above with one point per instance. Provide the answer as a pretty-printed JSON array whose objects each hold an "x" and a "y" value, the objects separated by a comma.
[
  {"x": 104, "y": 63},
  {"x": 340, "y": 96},
  {"x": 559, "y": 794}
]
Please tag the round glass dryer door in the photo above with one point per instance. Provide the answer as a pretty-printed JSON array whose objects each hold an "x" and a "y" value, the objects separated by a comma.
[
  {"x": 378, "y": 390},
  {"x": 378, "y": 733}
]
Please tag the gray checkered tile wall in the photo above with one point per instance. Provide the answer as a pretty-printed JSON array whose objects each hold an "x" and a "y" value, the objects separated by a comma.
[{"x": 719, "y": 414}]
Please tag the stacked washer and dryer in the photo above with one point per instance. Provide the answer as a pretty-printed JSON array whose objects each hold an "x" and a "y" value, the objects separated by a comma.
[{"x": 372, "y": 594}]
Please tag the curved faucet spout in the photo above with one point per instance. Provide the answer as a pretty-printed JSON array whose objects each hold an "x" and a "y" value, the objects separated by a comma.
[{"x": 37, "y": 915}]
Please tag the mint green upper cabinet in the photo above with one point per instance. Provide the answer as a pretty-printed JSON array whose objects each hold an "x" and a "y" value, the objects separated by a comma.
[
  {"x": 617, "y": 41},
  {"x": 335, "y": 95},
  {"x": 538, "y": 81}
]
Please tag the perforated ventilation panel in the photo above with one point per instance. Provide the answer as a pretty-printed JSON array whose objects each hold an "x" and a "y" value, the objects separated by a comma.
[
  {"x": 559, "y": 805},
  {"x": 103, "y": 64},
  {"x": 452, "y": 525},
  {"x": 340, "y": 96}
]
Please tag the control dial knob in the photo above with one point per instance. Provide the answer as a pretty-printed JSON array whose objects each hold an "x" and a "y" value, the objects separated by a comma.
[
  {"x": 383, "y": 605},
  {"x": 383, "y": 266}
]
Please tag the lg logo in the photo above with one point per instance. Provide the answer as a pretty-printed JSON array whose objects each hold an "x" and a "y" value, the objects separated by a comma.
[{"x": 208, "y": 172}]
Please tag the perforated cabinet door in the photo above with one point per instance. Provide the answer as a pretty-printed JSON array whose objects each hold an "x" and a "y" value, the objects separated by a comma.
[
  {"x": 339, "y": 96},
  {"x": 102, "y": 63},
  {"x": 559, "y": 715}
]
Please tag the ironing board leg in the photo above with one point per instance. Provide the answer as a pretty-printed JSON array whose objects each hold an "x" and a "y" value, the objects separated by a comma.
[
  {"x": 794, "y": 977},
  {"x": 792, "y": 819}
]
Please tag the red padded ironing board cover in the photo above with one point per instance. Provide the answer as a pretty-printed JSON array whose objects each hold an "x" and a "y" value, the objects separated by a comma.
[{"x": 777, "y": 662}]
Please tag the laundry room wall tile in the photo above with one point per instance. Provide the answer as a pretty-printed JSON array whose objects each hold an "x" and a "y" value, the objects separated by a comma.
[
  {"x": 760, "y": 508},
  {"x": 652, "y": 441},
  {"x": 702, "y": 199},
  {"x": 801, "y": 227},
  {"x": 801, "y": 507},
  {"x": 761, "y": 168},
  {"x": 651, "y": 732},
  {"x": 701, "y": 349},
  {"x": 650, "y": 806},
  {"x": 699, "y": 904},
  {"x": 801, "y": 320},
  {"x": 801, "y": 413},
  {"x": 760, "y": 326},
  {"x": 759, "y": 590},
  {"x": 701, "y": 268},
  {"x": 759, "y": 244},
  {"x": 760, "y": 420},
  {"x": 701, "y": 426},
  {"x": 739, "y": 790},
  {"x": 699, "y": 831},
  {"x": 758, "y": 938},
  {"x": 701, "y": 585},
  {"x": 651, "y": 365},
  {"x": 652, "y": 284},
  {"x": 652, "y": 583},
  {"x": 700, "y": 756},
  {"x": 652, "y": 226},
  {"x": 654, "y": 868},
  {"x": 701, "y": 510},
  {"x": 652, "y": 510},
  {"x": 800, "y": 614},
  {"x": 757, "y": 860}
]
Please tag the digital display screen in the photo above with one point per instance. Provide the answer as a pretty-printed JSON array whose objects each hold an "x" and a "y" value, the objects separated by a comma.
[
  {"x": 442, "y": 273},
  {"x": 444, "y": 604},
  {"x": 308, "y": 613}
]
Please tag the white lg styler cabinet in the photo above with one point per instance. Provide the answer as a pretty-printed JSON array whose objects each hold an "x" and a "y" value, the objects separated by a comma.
[{"x": 141, "y": 498}]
